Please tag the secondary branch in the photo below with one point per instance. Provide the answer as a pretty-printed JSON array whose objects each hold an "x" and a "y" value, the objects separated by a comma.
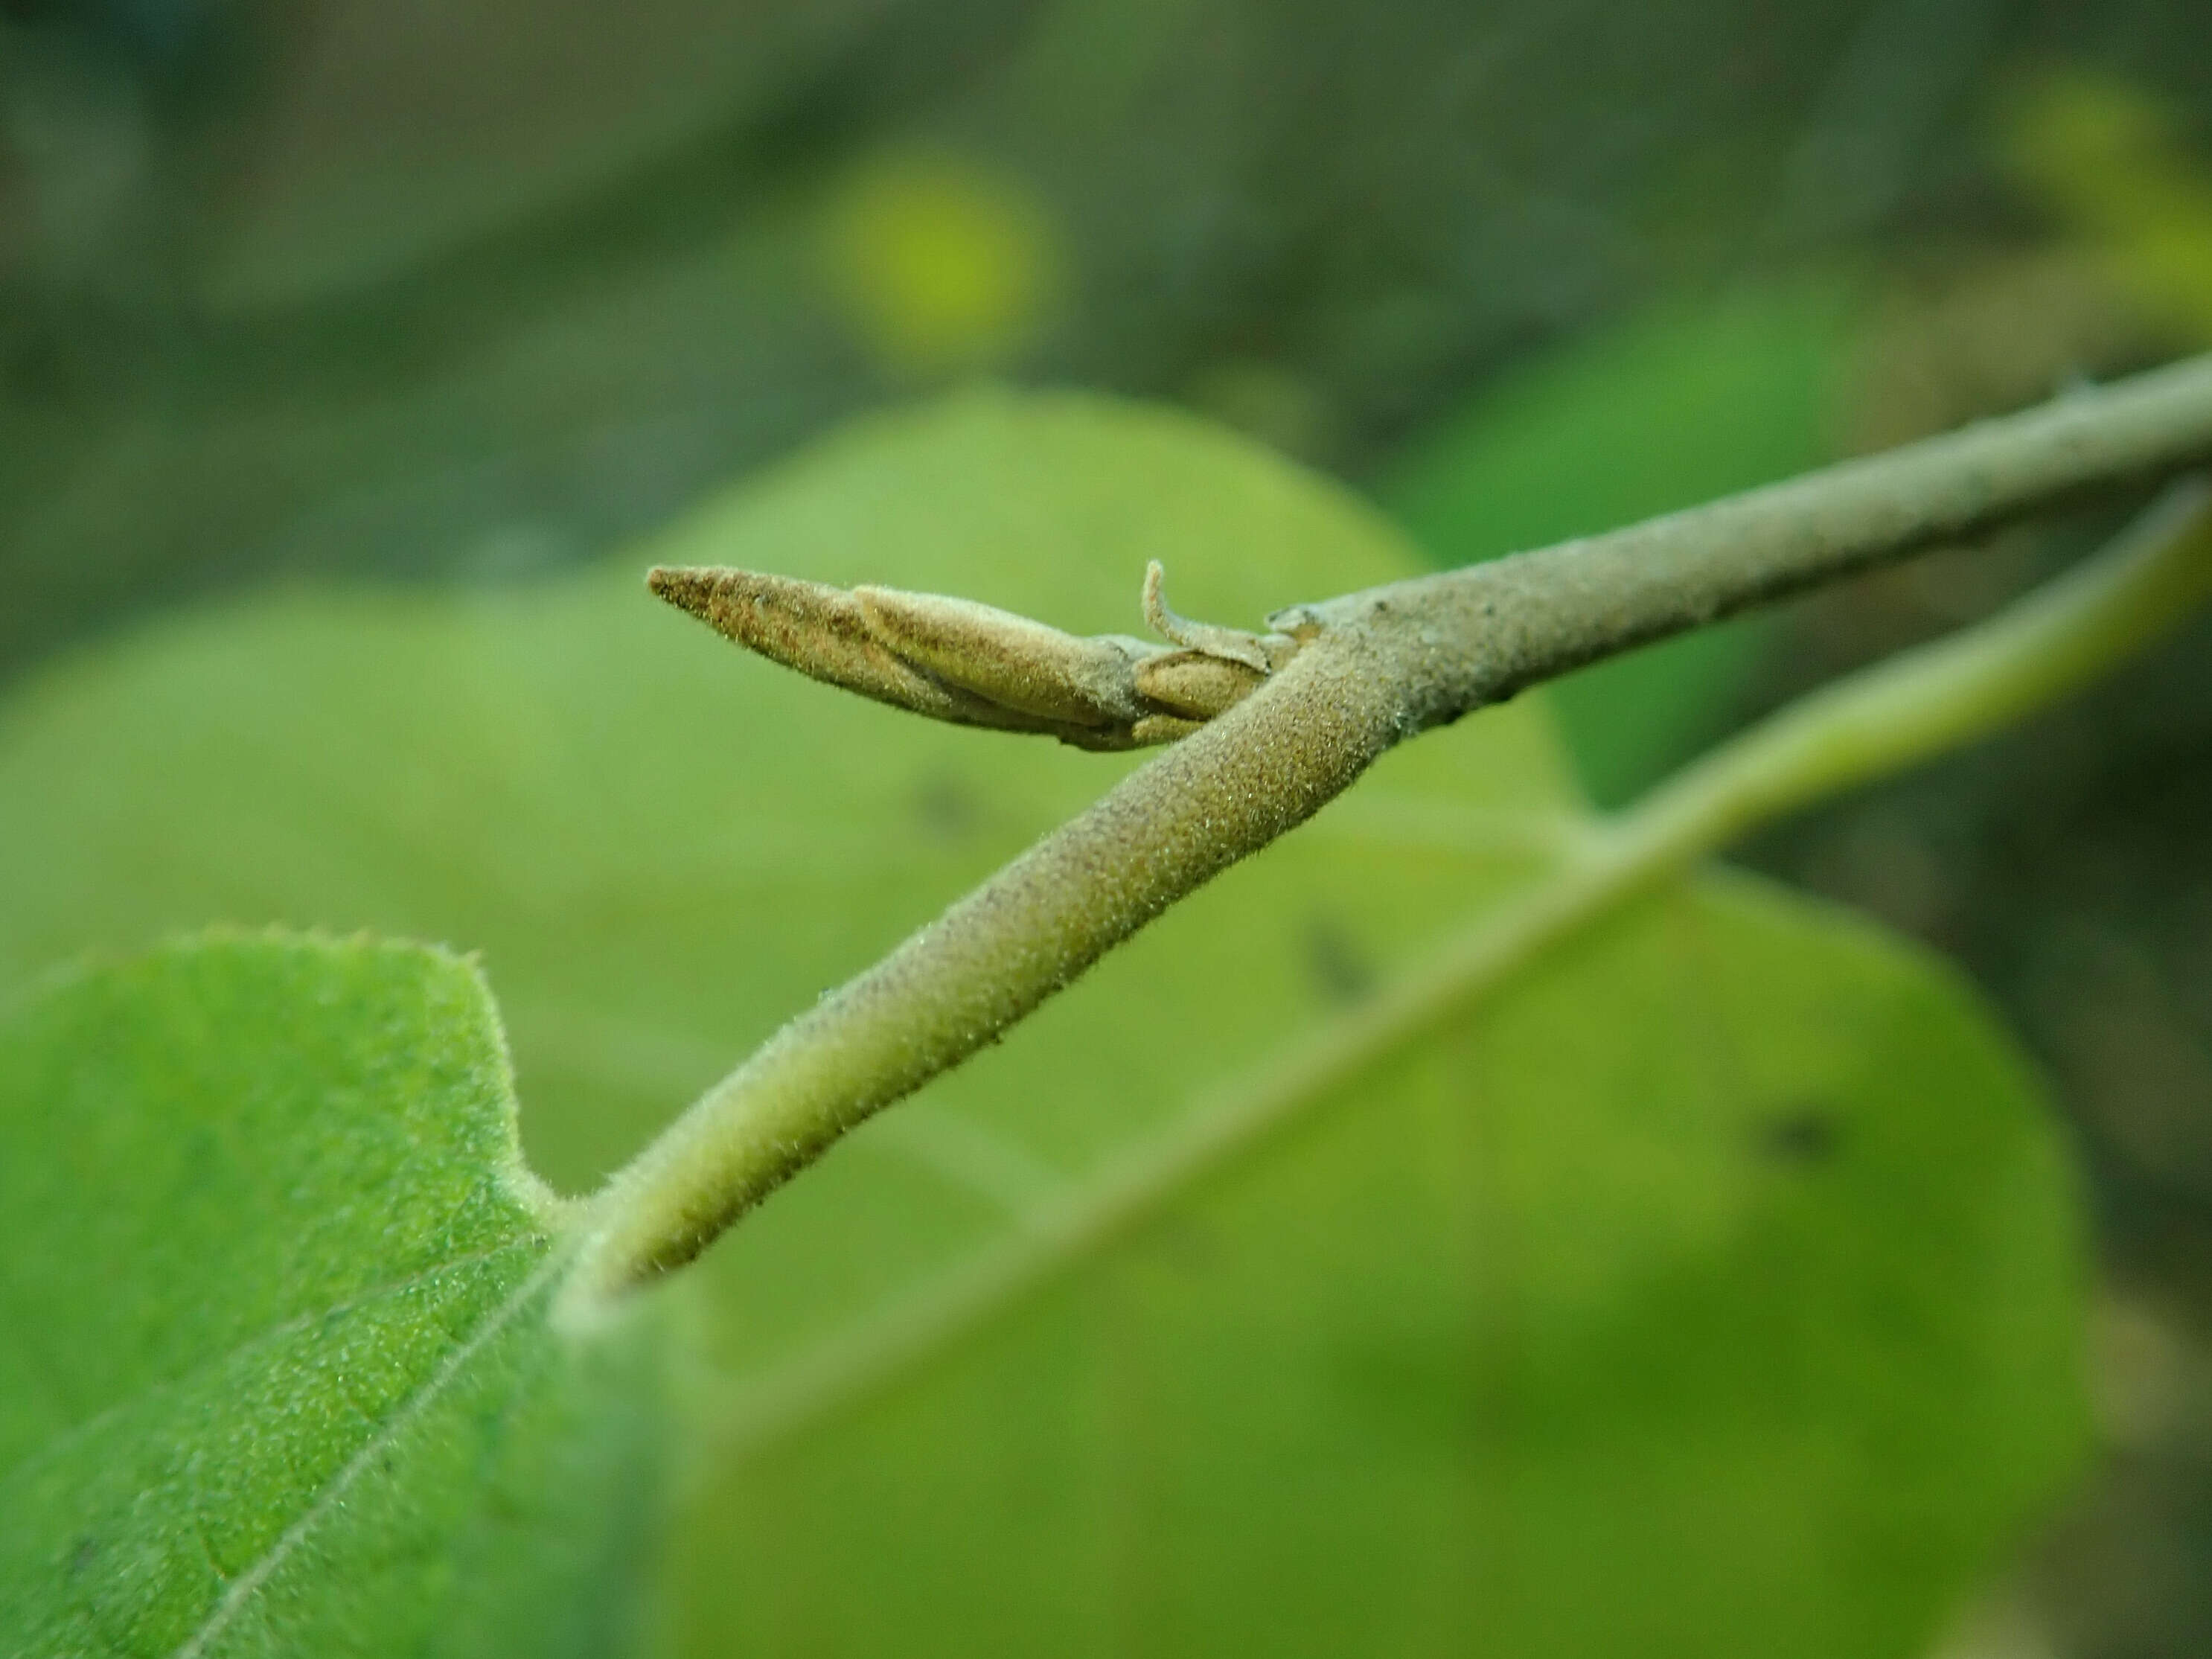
[{"x": 1369, "y": 670}]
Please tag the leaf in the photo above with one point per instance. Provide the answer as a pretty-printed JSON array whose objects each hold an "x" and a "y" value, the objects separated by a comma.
[
  {"x": 277, "y": 1377},
  {"x": 1369, "y": 1375},
  {"x": 1711, "y": 1292},
  {"x": 1662, "y": 411}
]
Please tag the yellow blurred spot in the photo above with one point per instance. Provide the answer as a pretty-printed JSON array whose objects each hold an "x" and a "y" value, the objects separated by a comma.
[
  {"x": 942, "y": 264},
  {"x": 2108, "y": 160}
]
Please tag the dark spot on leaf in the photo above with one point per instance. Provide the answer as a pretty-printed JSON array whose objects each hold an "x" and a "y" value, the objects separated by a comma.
[
  {"x": 944, "y": 808},
  {"x": 1804, "y": 1135},
  {"x": 1341, "y": 970},
  {"x": 81, "y": 1557}
]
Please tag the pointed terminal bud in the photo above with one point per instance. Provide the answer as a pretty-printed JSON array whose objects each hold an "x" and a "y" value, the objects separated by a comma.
[
  {"x": 822, "y": 632},
  {"x": 1020, "y": 664},
  {"x": 975, "y": 664}
]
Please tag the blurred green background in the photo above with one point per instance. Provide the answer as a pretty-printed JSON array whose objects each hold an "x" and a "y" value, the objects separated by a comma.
[{"x": 468, "y": 294}]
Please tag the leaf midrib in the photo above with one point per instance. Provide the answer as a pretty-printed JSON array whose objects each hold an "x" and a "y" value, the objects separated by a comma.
[
  {"x": 326, "y": 1497},
  {"x": 63, "y": 1438}
]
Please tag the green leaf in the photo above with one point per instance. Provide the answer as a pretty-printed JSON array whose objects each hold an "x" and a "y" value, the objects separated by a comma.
[
  {"x": 277, "y": 1377},
  {"x": 1662, "y": 411},
  {"x": 1711, "y": 1292},
  {"x": 1727, "y": 1261}
]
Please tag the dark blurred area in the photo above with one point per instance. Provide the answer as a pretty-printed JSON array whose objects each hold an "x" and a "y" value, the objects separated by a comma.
[{"x": 473, "y": 291}]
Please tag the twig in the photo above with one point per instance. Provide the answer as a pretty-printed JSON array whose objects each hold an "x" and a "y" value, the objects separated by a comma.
[
  {"x": 1871, "y": 724},
  {"x": 1370, "y": 669}
]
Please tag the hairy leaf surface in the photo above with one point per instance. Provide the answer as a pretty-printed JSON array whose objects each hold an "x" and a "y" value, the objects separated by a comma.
[{"x": 277, "y": 1375}]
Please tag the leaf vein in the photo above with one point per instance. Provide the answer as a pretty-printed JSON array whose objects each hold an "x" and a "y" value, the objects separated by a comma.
[
  {"x": 75, "y": 1433},
  {"x": 248, "y": 1583}
]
